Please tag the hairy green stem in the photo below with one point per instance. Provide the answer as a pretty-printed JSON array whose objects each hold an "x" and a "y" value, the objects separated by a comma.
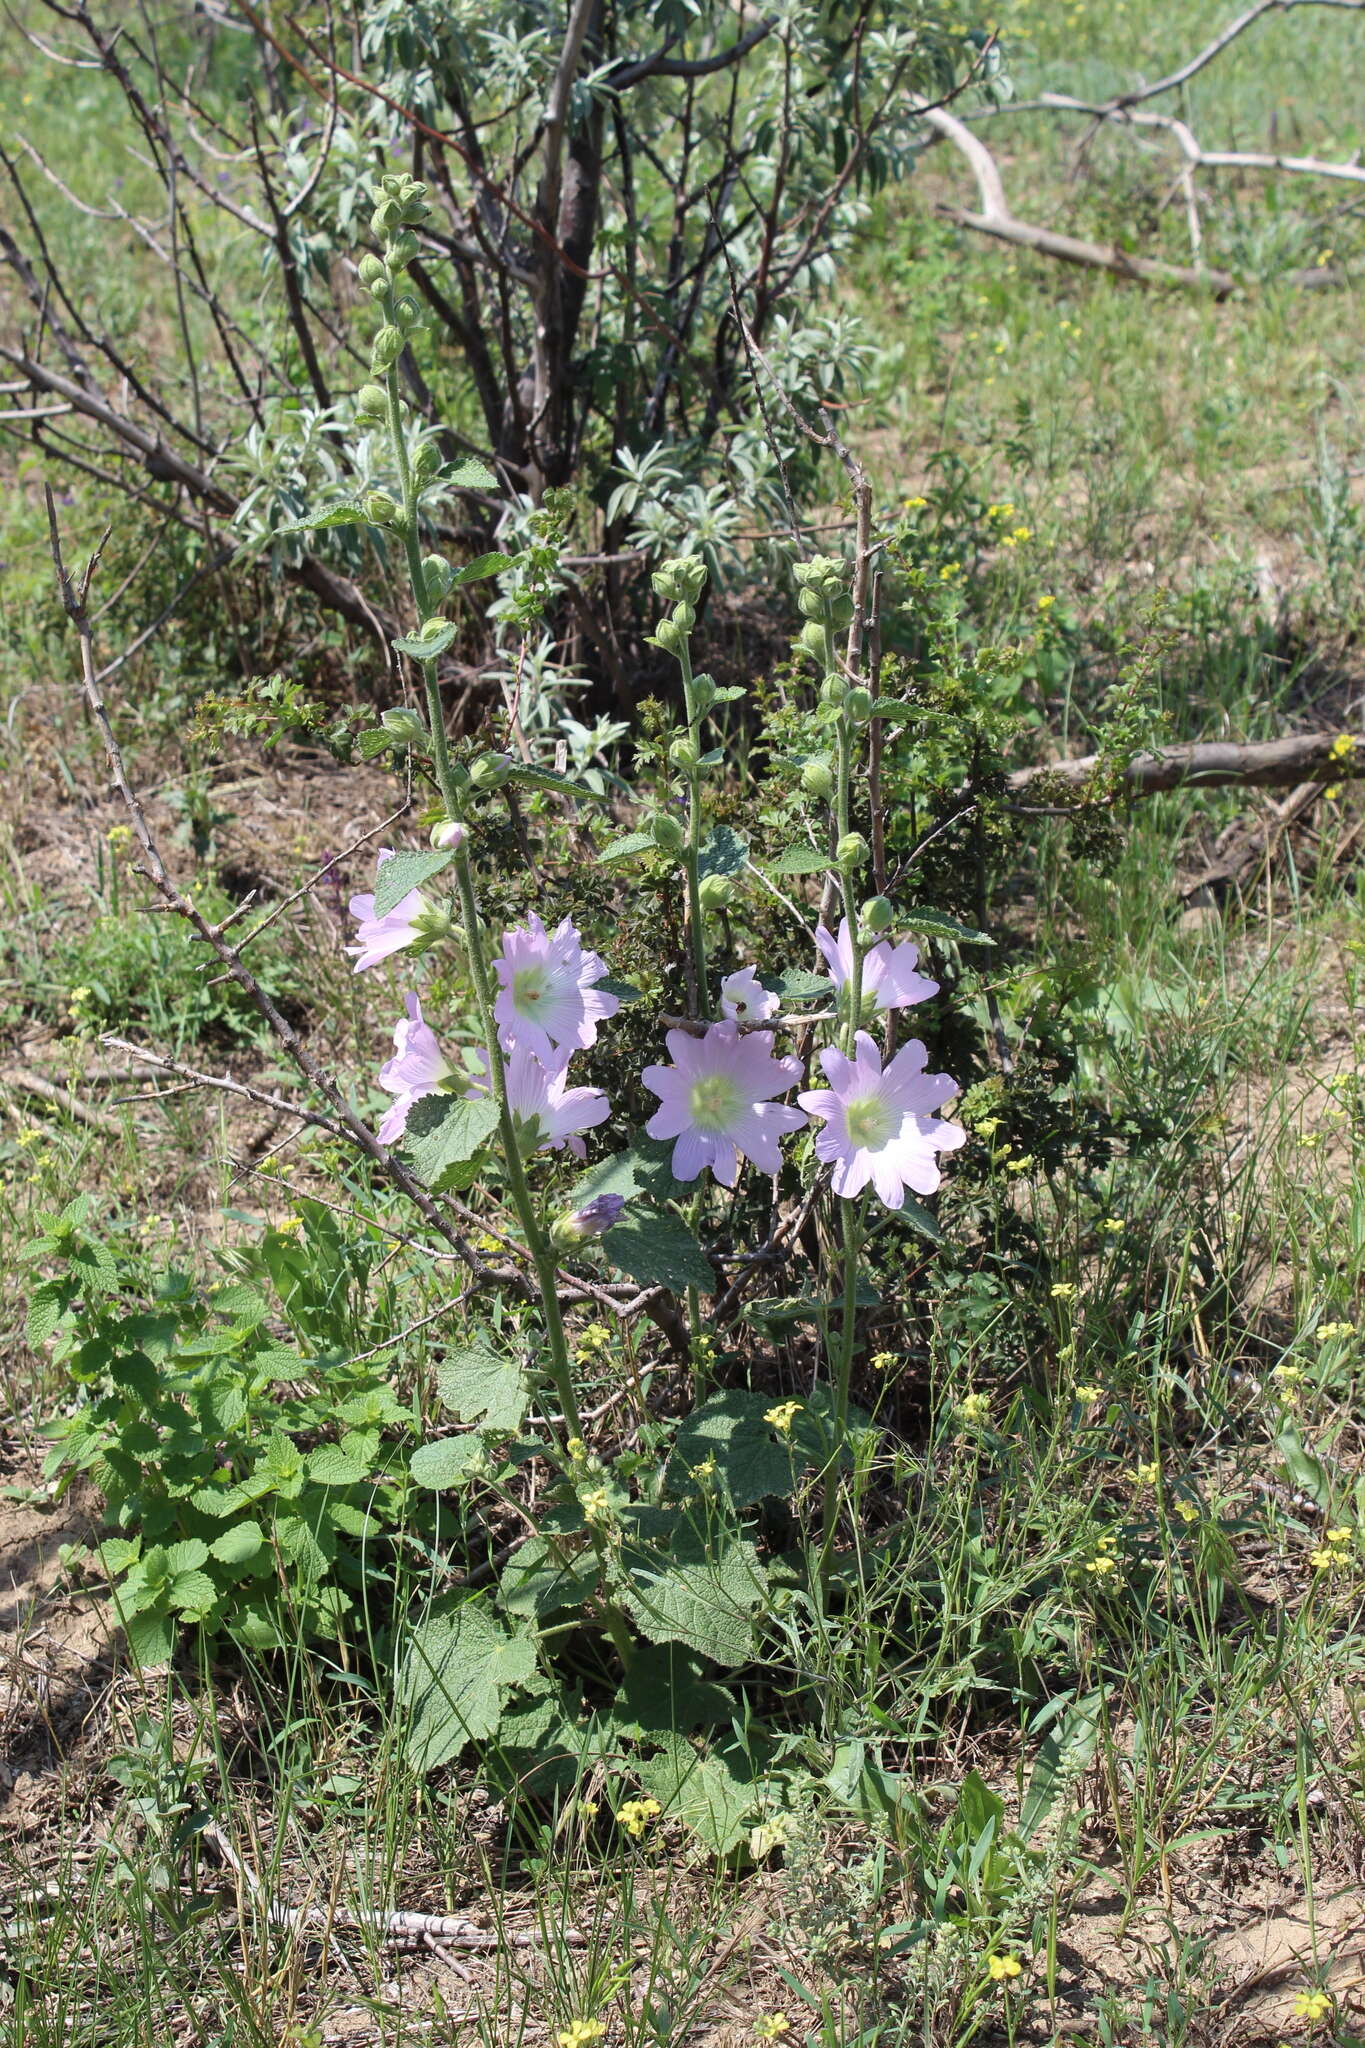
[{"x": 692, "y": 850}]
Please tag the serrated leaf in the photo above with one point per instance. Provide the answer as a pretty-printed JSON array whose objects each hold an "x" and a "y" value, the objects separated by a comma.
[
  {"x": 894, "y": 710},
  {"x": 799, "y": 860},
  {"x": 192, "y": 1593},
  {"x": 480, "y": 567},
  {"x": 665, "y": 1692},
  {"x": 480, "y": 1385},
  {"x": 239, "y": 1544},
  {"x": 443, "y": 1130},
  {"x": 625, "y": 992},
  {"x": 401, "y": 873},
  {"x": 712, "y": 1795},
  {"x": 750, "y": 1460},
  {"x": 318, "y": 522},
  {"x": 524, "y": 777},
  {"x": 370, "y": 745},
  {"x": 151, "y": 1638},
  {"x": 455, "y": 1676},
  {"x": 45, "y": 1307},
  {"x": 936, "y": 924},
  {"x": 117, "y": 1553},
  {"x": 537, "y": 1581},
  {"x": 799, "y": 985},
  {"x": 921, "y": 1219},
  {"x": 658, "y": 1250},
  {"x": 469, "y": 474},
  {"x": 705, "y": 1600},
  {"x": 644, "y": 1168},
  {"x": 633, "y": 842},
  {"x": 187, "y": 1556},
  {"x": 426, "y": 646},
  {"x": 243, "y": 1304},
  {"x": 730, "y": 693},
  {"x": 726, "y": 852},
  {"x": 445, "y": 1462},
  {"x": 330, "y": 1465}
]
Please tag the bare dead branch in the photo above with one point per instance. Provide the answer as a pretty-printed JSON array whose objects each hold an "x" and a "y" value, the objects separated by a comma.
[{"x": 1214, "y": 764}]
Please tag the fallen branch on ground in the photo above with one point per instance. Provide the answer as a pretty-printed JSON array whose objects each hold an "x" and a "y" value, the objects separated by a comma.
[{"x": 1212, "y": 764}]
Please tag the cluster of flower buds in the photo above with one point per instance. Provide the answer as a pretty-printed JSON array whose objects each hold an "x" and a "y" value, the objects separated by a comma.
[
  {"x": 822, "y": 599},
  {"x": 678, "y": 582},
  {"x": 401, "y": 207}
]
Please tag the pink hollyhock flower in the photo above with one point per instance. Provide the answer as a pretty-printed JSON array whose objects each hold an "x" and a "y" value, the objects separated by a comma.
[
  {"x": 418, "y": 1068},
  {"x": 546, "y": 1001},
  {"x": 548, "y": 1114},
  {"x": 744, "y": 999},
  {"x": 878, "y": 1125},
  {"x": 379, "y": 936},
  {"x": 889, "y": 977},
  {"x": 717, "y": 1101}
]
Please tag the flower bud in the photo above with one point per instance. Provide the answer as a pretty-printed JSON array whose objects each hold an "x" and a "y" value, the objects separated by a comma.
[
  {"x": 667, "y": 636},
  {"x": 379, "y": 508},
  {"x": 594, "y": 1219},
  {"x": 490, "y": 771},
  {"x": 680, "y": 580},
  {"x": 685, "y": 753},
  {"x": 667, "y": 833},
  {"x": 852, "y": 850},
  {"x": 447, "y": 835},
  {"x": 385, "y": 349},
  {"x": 406, "y": 726},
  {"x": 401, "y": 249},
  {"x": 371, "y": 271},
  {"x": 811, "y": 640},
  {"x": 379, "y": 290},
  {"x": 371, "y": 403},
  {"x": 436, "y": 574},
  {"x": 810, "y": 604},
  {"x": 406, "y": 313},
  {"x": 684, "y": 617},
  {"x": 715, "y": 892},
  {"x": 858, "y": 704},
  {"x": 817, "y": 781},
  {"x": 877, "y": 913},
  {"x": 433, "y": 628},
  {"x": 833, "y": 690},
  {"x": 426, "y": 462},
  {"x": 703, "y": 694},
  {"x": 841, "y": 612},
  {"x": 385, "y": 218}
]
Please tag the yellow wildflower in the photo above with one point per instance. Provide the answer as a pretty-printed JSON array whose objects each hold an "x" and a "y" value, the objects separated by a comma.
[
  {"x": 1343, "y": 746},
  {"x": 782, "y": 1416},
  {"x": 974, "y": 1407},
  {"x": 884, "y": 1361},
  {"x": 1089, "y": 1394},
  {"x": 1187, "y": 1511},
  {"x": 772, "y": 2026},
  {"x": 581, "y": 2034},
  {"x": 1341, "y": 1534},
  {"x": 1046, "y": 602},
  {"x": 915, "y": 504},
  {"x": 596, "y": 1505},
  {"x": 1114, "y": 1225},
  {"x": 1002, "y": 1968},
  {"x": 1312, "y": 2005},
  {"x": 1328, "y": 1333},
  {"x": 1145, "y": 1473},
  {"x": 636, "y": 1815}
]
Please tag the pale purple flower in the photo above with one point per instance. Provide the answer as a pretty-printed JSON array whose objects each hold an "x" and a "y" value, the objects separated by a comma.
[
  {"x": 594, "y": 1219},
  {"x": 546, "y": 1000},
  {"x": 889, "y": 977},
  {"x": 717, "y": 1101},
  {"x": 418, "y": 1068},
  {"x": 879, "y": 1126},
  {"x": 548, "y": 1113},
  {"x": 379, "y": 936},
  {"x": 744, "y": 999}
]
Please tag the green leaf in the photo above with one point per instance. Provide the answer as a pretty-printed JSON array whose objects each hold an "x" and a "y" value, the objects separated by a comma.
[
  {"x": 701, "y": 1590},
  {"x": 726, "y": 852},
  {"x": 454, "y": 1678},
  {"x": 625, "y": 992},
  {"x": 658, "y": 1250},
  {"x": 537, "y": 1581},
  {"x": 443, "y": 1130},
  {"x": 426, "y": 646},
  {"x": 469, "y": 474},
  {"x": 799, "y": 985},
  {"x": 750, "y": 1460},
  {"x": 936, "y": 924},
  {"x": 151, "y": 1638},
  {"x": 194, "y": 1593},
  {"x": 478, "y": 1382},
  {"x": 799, "y": 860},
  {"x": 1305, "y": 1471},
  {"x": 370, "y": 745},
  {"x": 445, "y": 1462},
  {"x": 403, "y": 872},
  {"x": 1065, "y": 1752},
  {"x": 330, "y": 1465},
  {"x": 633, "y": 842},
  {"x": 712, "y": 1795},
  {"x": 186, "y": 1556},
  {"x": 45, "y": 1308},
  {"x": 644, "y": 1168},
  {"x": 921, "y": 1219},
  {"x": 317, "y": 522},
  {"x": 665, "y": 1693},
  {"x": 524, "y": 777},
  {"x": 894, "y": 710},
  {"x": 479, "y": 568},
  {"x": 239, "y": 1544}
]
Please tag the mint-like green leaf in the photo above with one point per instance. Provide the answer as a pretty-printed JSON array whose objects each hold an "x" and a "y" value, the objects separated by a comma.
[
  {"x": 936, "y": 924},
  {"x": 633, "y": 842},
  {"x": 712, "y": 1795},
  {"x": 799, "y": 860},
  {"x": 644, "y": 1168},
  {"x": 402, "y": 873},
  {"x": 750, "y": 1458},
  {"x": 330, "y": 1465},
  {"x": 455, "y": 1676},
  {"x": 151, "y": 1638},
  {"x": 46, "y": 1305},
  {"x": 658, "y": 1250},
  {"x": 193, "y": 1593},
  {"x": 426, "y": 646},
  {"x": 445, "y": 1462},
  {"x": 186, "y": 1556},
  {"x": 725, "y": 853},
  {"x": 698, "y": 1592},
  {"x": 799, "y": 985},
  {"x": 536, "y": 1581},
  {"x": 894, "y": 710},
  {"x": 318, "y": 522},
  {"x": 479, "y": 1384},
  {"x": 469, "y": 474},
  {"x": 665, "y": 1693},
  {"x": 480, "y": 567},
  {"x": 239, "y": 1544},
  {"x": 625, "y": 992},
  {"x": 443, "y": 1130}
]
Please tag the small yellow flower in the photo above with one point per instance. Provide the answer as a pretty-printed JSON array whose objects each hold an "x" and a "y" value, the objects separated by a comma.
[
  {"x": 1114, "y": 1225},
  {"x": 1046, "y": 602},
  {"x": 636, "y": 1815},
  {"x": 78, "y": 997},
  {"x": 949, "y": 571},
  {"x": 1089, "y": 1394},
  {"x": 595, "y": 1338},
  {"x": 1002, "y": 1968},
  {"x": 1005, "y": 511},
  {"x": 783, "y": 1416},
  {"x": 1062, "y": 1290},
  {"x": 1312, "y": 2005},
  {"x": 974, "y": 1407},
  {"x": 1326, "y": 1560},
  {"x": 576, "y": 1449},
  {"x": 1341, "y": 1534},
  {"x": 1145, "y": 1472},
  {"x": 1021, "y": 1164},
  {"x": 884, "y": 1361},
  {"x": 1022, "y": 533},
  {"x": 772, "y": 2026},
  {"x": 915, "y": 504},
  {"x": 586, "y": 1809},
  {"x": 120, "y": 836},
  {"x": 596, "y": 1506},
  {"x": 1343, "y": 746},
  {"x": 1328, "y": 1333},
  {"x": 1103, "y": 1566},
  {"x": 581, "y": 2034},
  {"x": 705, "y": 1472},
  {"x": 1187, "y": 1511},
  {"x": 290, "y": 1227},
  {"x": 1332, "y": 792}
]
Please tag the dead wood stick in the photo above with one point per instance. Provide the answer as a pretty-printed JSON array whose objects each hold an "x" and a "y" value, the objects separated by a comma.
[
  {"x": 1215, "y": 764},
  {"x": 28, "y": 1083}
]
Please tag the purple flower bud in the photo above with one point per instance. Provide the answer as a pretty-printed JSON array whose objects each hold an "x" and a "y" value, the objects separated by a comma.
[
  {"x": 594, "y": 1219},
  {"x": 448, "y": 836}
]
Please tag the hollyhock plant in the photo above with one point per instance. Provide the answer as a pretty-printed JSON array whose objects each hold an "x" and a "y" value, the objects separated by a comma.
[
  {"x": 594, "y": 1219},
  {"x": 378, "y": 937},
  {"x": 889, "y": 981},
  {"x": 546, "y": 1000},
  {"x": 548, "y": 1113},
  {"x": 744, "y": 999},
  {"x": 717, "y": 1101},
  {"x": 418, "y": 1068},
  {"x": 879, "y": 1125}
]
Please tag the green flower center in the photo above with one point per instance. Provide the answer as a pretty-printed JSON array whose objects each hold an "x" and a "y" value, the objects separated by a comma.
[
  {"x": 871, "y": 1121},
  {"x": 714, "y": 1102},
  {"x": 528, "y": 987}
]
